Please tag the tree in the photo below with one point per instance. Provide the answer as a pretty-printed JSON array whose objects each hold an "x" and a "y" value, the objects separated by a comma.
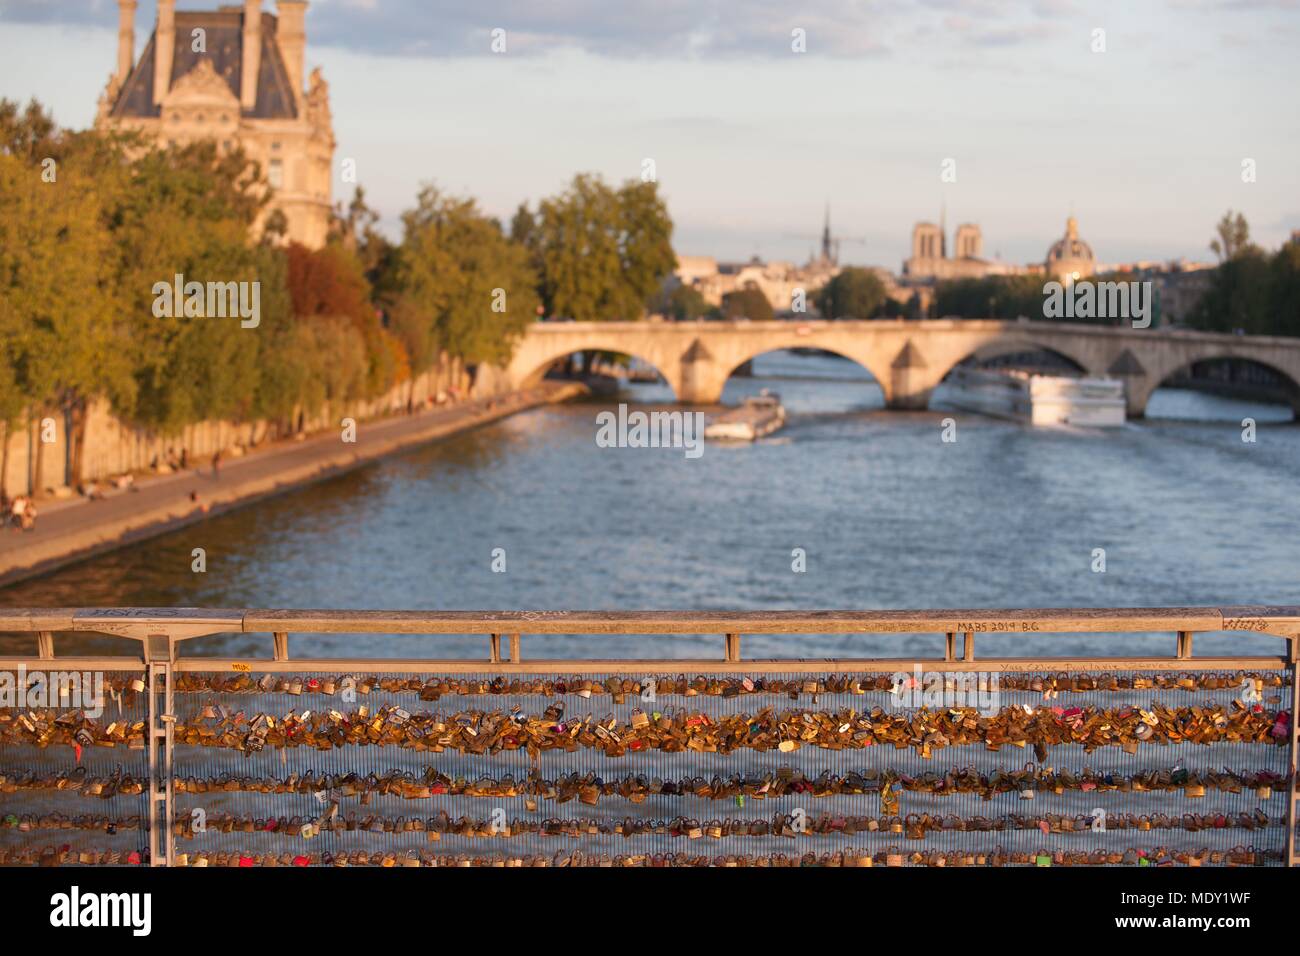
[
  {"x": 463, "y": 284},
  {"x": 747, "y": 303},
  {"x": 1233, "y": 237},
  {"x": 1285, "y": 282},
  {"x": 1244, "y": 290},
  {"x": 685, "y": 304},
  {"x": 65, "y": 341},
  {"x": 29, "y": 135},
  {"x": 990, "y": 297},
  {"x": 854, "y": 293},
  {"x": 354, "y": 229},
  {"x": 603, "y": 252},
  {"x": 190, "y": 211}
]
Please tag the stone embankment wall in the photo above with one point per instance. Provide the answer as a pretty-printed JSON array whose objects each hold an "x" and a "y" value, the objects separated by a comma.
[{"x": 114, "y": 447}]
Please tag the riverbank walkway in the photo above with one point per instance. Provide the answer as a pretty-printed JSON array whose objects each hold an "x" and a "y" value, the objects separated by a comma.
[{"x": 72, "y": 529}]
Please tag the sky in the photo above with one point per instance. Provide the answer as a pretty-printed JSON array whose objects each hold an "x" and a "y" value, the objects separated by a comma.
[{"x": 1144, "y": 141}]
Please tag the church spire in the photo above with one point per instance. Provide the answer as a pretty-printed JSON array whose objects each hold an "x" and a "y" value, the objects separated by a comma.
[{"x": 826, "y": 235}]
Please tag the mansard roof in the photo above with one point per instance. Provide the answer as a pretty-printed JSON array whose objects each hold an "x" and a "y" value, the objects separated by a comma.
[{"x": 224, "y": 49}]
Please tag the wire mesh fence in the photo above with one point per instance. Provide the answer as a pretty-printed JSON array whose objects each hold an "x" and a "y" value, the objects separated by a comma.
[{"x": 509, "y": 763}]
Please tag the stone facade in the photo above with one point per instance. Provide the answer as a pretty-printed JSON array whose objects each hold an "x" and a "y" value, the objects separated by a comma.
[
  {"x": 778, "y": 281},
  {"x": 930, "y": 261},
  {"x": 235, "y": 76},
  {"x": 1070, "y": 258}
]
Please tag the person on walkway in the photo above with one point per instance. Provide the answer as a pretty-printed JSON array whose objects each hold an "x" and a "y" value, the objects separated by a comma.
[
  {"x": 216, "y": 464},
  {"x": 16, "y": 508},
  {"x": 23, "y": 513}
]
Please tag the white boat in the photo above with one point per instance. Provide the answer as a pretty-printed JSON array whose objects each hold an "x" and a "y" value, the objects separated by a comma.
[
  {"x": 1090, "y": 402},
  {"x": 757, "y": 416}
]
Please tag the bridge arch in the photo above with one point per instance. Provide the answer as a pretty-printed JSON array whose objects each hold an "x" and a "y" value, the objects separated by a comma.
[
  {"x": 731, "y": 366},
  {"x": 1011, "y": 344},
  {"x": 1290, "y": 381},
  {"x": 528, "y": 365},
  {"x": 913, "y": 385}
]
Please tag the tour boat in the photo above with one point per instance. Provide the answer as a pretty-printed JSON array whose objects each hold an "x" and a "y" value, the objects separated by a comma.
[
  {"x": 1091, "y": 402},
  {"x": 757, "y": 416}
]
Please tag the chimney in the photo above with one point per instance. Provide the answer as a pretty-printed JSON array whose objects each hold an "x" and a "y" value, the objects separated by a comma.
[
  {"x": 252, "y": 57},
  {"x": 293, "y": 40},
  {"x": 125, "y": 38},
  {"x": 163, "y": 47}
]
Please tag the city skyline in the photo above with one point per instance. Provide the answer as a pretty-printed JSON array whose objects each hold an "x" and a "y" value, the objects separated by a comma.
[{"x": 1039, "y": 126}]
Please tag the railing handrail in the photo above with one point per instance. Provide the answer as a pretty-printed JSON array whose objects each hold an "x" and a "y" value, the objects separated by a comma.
[{"x": 183, "y": 623}]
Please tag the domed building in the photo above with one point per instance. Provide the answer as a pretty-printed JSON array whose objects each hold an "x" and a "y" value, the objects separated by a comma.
[{"x": 1070, "y": 258}]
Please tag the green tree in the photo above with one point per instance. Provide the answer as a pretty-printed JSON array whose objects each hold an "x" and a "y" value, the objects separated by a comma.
[
  {"x": 29, "y": 134},
  {"x": 603, "y": 252},
  {"x": 1232, "y": 237},
  {"x": 1285, "y": 290},
  {"x": 854, "y": 293},
  {"x": 1241, "y": 294},
  {"x": 464, "y": 286},
  {"x": 990, "y": 297},
  {"x": 354, "y": 228},
  {"x": 685, "y": 304},
  {"x": 65, "y": 341},
  {"x": 190, "y": 211},
  {"x": 747, "y": 303}
]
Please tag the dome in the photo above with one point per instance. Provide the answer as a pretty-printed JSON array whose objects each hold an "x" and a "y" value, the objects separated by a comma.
[{"x": 1070, "y": 258}]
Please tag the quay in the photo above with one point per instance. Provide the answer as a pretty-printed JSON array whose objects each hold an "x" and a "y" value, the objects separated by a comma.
[{"x": 74, "y": 529}]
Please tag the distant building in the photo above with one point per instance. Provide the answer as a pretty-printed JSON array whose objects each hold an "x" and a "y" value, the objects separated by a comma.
[
  {"x": 929, "y": 261},
  {"x": 235, "y": 76},
  {"x": 778, "y": 281},
  {"x": 1070, "y": 258}
]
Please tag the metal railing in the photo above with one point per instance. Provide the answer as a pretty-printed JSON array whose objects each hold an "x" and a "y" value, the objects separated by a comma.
[{"x": 713, "y": 736}]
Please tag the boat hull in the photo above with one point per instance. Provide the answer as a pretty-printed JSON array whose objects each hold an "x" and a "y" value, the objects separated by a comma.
[{"x": 1044, "y": 400}]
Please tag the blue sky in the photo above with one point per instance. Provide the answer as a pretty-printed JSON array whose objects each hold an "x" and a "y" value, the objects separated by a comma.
[{"x": 1144, "y": 142}]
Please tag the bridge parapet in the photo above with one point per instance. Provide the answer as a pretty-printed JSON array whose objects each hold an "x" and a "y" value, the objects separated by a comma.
[{"x": 908, "y": 358}]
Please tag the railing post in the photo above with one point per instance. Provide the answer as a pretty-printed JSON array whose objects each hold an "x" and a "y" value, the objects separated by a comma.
[
  {"x": 45, "y": 645},
  {"x": 968, "y": 646},
  {"x": 281, "y": 646},
  {"x": 950, "y": 646},
  {"x": 494, "y": 652},
  {"x": 733, "y": 647},
  {"x": 1293, "y": 795},
  {"x": 159, "y": 655},
  {"x": 1184, "y": 645},
  {"x": 514, "y": 649}
]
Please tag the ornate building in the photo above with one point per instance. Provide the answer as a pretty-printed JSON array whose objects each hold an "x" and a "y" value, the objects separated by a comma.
[
  {"x": 930, "y": 260},
  {"x": 1070, "y": 258},
  {"x": 233, "y": 75}
]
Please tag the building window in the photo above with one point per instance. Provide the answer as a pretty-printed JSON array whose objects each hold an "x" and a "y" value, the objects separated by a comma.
[
  {"x": 275, "y": 174},
  {"x": 275, "y": 147}
]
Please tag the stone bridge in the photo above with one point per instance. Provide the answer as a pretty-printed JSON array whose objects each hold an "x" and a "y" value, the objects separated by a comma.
[{"x": 908, "y": 358}]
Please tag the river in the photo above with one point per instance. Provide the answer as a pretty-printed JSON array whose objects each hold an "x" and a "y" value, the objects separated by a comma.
[{"x": 888, "y": 515}]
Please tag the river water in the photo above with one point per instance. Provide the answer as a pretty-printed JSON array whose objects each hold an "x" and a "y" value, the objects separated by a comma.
[{"x": 888, "y": 515}]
